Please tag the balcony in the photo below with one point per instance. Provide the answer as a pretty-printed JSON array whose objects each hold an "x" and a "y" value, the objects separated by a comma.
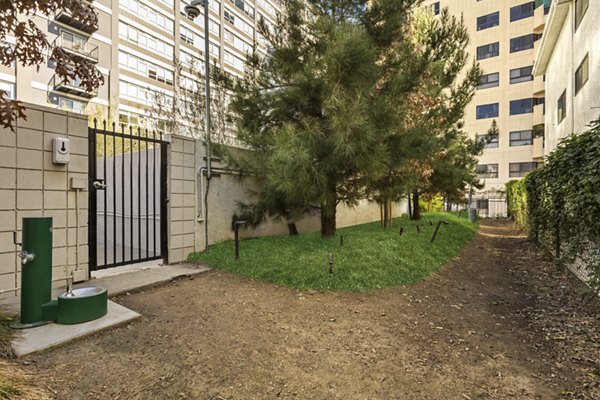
[
  {"x": 539, "y": 86},
  {"x": 538, "y": 114},
  {"x": 77, "y": 46},
  {"x": 538, "y": 148},
  {"x": 71, "y": 86},
  {"x": 67, "y": 18},
  {"x": 539, "y": 20}
]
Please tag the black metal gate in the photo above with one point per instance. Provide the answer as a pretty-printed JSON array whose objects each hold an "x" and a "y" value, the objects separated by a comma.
[{"x": 127, "y": 196}]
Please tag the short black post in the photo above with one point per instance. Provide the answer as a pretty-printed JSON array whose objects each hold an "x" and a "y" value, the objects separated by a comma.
[
  {"x": 330, "y": 259},
  {"x": 401, "y": 231},
  {"x": 236, "y": 228},
  {"x": 418, "y": 229},
  {"x": 437, "y": 228},
  {"x": 557, "y": 242},
  {"x": 460, "y": 212},
  {"x": 342, "y": 241}
]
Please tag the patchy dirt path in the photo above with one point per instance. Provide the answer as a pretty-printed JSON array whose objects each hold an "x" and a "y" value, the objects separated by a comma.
[{"x": 498, "y": 323}]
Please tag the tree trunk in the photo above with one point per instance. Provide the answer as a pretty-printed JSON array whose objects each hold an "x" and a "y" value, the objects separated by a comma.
[
  {"x": 448, "y": 204},
  {"x": 416, "y": 215},
  {"x": 328, "y": 220},
  {"x": 386, "y": 215},
  {"x": 410, "y": 213},
  {"x": 292, "y": 229},
  {"x": 328, "y": 206}
]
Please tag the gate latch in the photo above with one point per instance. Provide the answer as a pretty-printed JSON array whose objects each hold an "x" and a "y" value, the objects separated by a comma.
[{"x": 99, "y": 184}]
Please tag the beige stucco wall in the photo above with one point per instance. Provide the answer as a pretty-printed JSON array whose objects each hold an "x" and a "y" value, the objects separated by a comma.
[
  {"x": 568, "y": 51},
  {"x": 186, "y": 227},
  {"x": 31, "y": 185}
]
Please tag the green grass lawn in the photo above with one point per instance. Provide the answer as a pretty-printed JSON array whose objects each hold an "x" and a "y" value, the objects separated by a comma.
[{"x": 370, "y": 258}]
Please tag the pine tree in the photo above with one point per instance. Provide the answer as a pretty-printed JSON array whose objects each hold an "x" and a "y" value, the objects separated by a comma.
[{"x": 318, "y": 112}]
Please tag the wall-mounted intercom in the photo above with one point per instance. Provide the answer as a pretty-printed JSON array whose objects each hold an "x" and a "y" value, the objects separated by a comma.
[{"x": 60, "y": 150}]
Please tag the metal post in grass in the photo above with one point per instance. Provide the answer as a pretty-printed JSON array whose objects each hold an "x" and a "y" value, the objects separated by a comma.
[
  {"x": 437, "y": 228},
  {"x": 330, "y": 260},
  {"x": 236, "y": 228},
  {"x": 342, "y": 241}
]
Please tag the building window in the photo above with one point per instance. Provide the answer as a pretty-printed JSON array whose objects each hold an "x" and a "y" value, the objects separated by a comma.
[
  {"x": 561, "y": 107},
  {"x": 491, "y": 144},
  {"x": 517, "y": 170},
  {"x": 521, "y": 106},
  {"x": 521, "y": 43},
  {"x": 71, "y": 105},
  {"x": 523, "y": 74},
  {"x": 489, "y": 80},
  {"x": 521, "y": 138},
  {"x": 522, "y": 11},
  {"x": 487, "y": 111},
  {"x": 436, "y": 8},
  {"x": 8, "y": 88},
  {"x": 186, "y": 34},
  {"x": 582, "y": 74},
  {"x": 488, "y": 21},
  {"x": 229, "y": 16},
  {"x": 487, "y": 171},
  {"x": 488, "y": 51},
  {"x": 581, "y": 7}
]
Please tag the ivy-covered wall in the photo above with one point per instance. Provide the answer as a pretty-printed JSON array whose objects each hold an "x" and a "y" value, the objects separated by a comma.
[{"x": 559, "y": 203}]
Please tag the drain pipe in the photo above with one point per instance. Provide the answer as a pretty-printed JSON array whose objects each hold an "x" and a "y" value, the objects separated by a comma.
[{"x": 206, "y": 171}]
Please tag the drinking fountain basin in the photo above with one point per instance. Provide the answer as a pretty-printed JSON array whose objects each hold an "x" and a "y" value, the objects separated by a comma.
[{"x": 82, "y": 305}]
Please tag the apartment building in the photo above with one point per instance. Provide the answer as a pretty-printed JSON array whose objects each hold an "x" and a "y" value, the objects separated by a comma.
[
  {"x": 569, "y": 58},
  {"x": 134, "y": 46},
  {"x": 505, "y": 36}
]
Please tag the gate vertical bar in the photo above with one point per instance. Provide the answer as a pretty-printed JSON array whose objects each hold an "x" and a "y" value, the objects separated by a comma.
[
  {"x": 139, "y": 193},
  {"x": 114, "y": 193},
  {"x": 164, "y": 201},
  {"x": 105, "y": 259},
  {"x": 154, "y": 194},
  {"x": 92, "y": 199},
  {"x": 123, "y": 192},
  {"x": 131, "y": 142},
  {"x": 147, "y": 208}
]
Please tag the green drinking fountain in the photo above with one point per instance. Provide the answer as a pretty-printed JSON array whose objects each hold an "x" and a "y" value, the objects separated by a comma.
[{"x": 37, "y": 307}]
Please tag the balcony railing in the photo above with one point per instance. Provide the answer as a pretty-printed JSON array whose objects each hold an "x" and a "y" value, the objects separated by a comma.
[
  {"x": 539, "y": 86},
  {"x": 77, "y": 46},
  {"x": 539, "y": 20},
  {"x": 538, "y": 148},
  {"x": 538, "y": 114},
  {"x": 67, "y": 18},
  {"x": 71, "y": 86}
]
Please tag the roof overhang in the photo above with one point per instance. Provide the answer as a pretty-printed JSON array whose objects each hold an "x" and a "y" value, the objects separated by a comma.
[{"x": 556, "y": 19}]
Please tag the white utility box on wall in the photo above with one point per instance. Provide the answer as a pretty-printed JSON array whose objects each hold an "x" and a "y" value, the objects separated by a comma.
[{"x": 60, "y": 150}]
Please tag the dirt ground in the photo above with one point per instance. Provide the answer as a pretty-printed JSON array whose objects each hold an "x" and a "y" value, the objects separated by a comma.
[{"x": 498, "y": 323}]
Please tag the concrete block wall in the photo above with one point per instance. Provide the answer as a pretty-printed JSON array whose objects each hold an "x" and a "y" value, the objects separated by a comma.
[
  {"x": 186, "y": 191},
  {"x": 182, "y": 198},
  {"x": 31, "y": 185}
]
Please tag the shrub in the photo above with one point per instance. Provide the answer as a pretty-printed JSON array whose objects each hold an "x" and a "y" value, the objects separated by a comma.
[
  {"x": 559, "y": 203},
  {"x": 516, "y": 198}
]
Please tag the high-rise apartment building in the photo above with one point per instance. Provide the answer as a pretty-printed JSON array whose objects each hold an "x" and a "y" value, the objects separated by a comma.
[
  {"x": 134, "y": 46},
  {"x": 504, "y": 37}
]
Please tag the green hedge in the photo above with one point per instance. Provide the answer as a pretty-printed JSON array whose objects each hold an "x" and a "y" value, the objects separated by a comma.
[
  {"x": 559, "y": 203},
  {"x": 516, "y": 197}
]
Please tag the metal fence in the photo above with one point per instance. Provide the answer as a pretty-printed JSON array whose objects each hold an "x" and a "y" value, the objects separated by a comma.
[{"x": 127, "y": 204}]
